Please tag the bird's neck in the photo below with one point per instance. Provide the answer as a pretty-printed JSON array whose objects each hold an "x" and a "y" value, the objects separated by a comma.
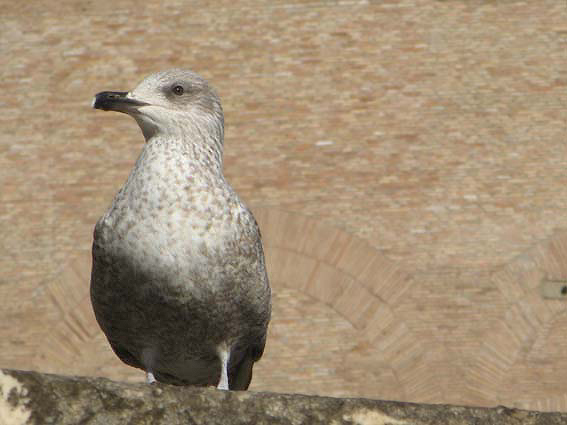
[
  {"x": 193, "y": 150},
  {"x": 201, "y": 137}
]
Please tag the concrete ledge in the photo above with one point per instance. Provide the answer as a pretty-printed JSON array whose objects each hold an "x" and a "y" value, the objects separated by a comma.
[{"x": 35, "y": 398}]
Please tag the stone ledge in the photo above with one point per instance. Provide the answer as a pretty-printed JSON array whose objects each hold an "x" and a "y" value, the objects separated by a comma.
[{"x": 35, "y": 398}]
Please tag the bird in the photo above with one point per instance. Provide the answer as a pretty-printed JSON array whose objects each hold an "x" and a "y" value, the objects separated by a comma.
[{"x": 179, "y": 283}]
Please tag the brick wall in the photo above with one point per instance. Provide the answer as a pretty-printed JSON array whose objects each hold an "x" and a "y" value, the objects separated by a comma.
[{"x": 405, "y": 160}]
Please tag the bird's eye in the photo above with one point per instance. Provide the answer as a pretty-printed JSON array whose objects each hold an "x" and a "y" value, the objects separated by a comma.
[{"x": 178, "y": 90}]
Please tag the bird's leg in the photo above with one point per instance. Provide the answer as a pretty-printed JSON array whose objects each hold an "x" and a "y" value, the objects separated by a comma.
[
  {"x": 148, "y": 357},
  {"x": 150, "y": 378},
  {"x": 224, "y": 354}
]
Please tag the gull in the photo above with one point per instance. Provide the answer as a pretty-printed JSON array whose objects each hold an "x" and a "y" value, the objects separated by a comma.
[{"x": 179, "y": 283}]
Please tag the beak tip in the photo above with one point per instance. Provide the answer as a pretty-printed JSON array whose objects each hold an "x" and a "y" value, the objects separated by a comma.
[{"x": 103, "y": 100}]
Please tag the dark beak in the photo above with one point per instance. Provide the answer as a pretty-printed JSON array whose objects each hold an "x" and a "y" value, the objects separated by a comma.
[{"x": 116, "y": 101}]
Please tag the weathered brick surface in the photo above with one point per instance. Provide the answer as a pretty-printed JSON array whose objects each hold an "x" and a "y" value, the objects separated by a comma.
[{"x": 404, "y": 158}]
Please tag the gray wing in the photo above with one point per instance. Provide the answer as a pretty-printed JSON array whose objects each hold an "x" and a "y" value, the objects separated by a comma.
[{"x": 240, "y": 374}]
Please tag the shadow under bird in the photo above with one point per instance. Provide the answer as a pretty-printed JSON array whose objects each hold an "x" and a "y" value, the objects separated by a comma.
[{"x": 179, "y": 283}]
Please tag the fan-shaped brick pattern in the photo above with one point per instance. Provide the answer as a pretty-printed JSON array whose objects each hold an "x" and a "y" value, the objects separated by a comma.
[
  {"x": 525, "y": 356},
  {"x": 354, "y": 281}
]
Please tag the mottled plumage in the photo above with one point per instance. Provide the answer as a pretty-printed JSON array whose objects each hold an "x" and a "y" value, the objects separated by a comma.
[{"x": 178, "y": 283}]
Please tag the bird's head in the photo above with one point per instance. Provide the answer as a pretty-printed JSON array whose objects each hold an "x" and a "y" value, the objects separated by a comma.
[{"x": 174, "y": 103}]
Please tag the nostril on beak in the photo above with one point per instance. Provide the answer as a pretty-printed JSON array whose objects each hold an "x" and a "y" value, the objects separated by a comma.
[{"x": 116, "y": 95}]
